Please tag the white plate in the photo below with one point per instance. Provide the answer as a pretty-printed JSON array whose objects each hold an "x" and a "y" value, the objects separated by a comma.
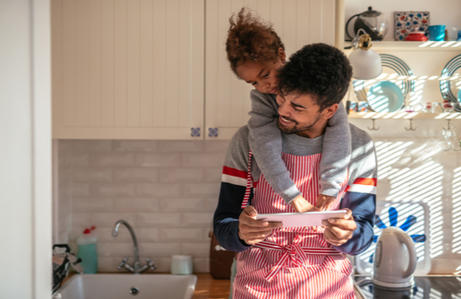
[{"x": 302, "y": 219}]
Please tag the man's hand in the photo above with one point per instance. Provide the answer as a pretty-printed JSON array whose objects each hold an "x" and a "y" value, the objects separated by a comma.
[
  {"x": 324, "y": 202},
  {"x": 301, "y": 205},
  {"x": 253, "y": 231},
  {"x": 339, "y": 230}
]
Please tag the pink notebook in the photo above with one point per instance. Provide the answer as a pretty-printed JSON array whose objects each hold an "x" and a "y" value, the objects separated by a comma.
[{"x": 302, "y": 219}]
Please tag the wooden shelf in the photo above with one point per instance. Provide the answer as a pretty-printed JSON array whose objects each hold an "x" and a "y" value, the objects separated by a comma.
[
  {"x": 404, "y": 115},
  {"x": 412, "y": 46}
]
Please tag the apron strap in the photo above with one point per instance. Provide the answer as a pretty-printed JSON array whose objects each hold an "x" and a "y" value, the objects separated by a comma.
[{"x": 249, "y": 186}]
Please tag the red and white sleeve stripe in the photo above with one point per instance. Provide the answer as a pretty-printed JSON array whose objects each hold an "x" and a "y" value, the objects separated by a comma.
[
  {"x": 234, "y": 176},
  {"x": 363, "y": 185}
]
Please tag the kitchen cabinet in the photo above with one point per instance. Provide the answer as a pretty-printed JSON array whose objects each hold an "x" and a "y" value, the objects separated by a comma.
[
  {"x": 127, "y": 69},
  {"x": 298, "y": 22},
  {"x": 157, "y": 69}
]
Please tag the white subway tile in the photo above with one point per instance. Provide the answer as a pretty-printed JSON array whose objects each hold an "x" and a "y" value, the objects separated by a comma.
[
  {"x": 158, "y": 219},
  {"x": 198, "y": 219},
  {"x": 109, "y": 219},
  {"x": 108, "y": 264},
  {"x": 104, "y": 235},
  {"x": 158, "y": 160},
  {"x": 135, "y": 145},
  {"x": 188, "y": 204},
  {"x": 68, "y": 159},
  {"x": 216, "y": 146},
  {"x": 203, "y": 159},
  {"x": 91, "y": 204},
  {"x": 176, "y": 146},
  {"x": 85, "y": 145},
  {"x": 201, "y": 265},
  {"x": 138, "y": 174},
  {"x": 113, "y": 189},
  {"x": 206, "y": 189},
  {"x": 158, "y": 190},
  {"x": 183, "y": 234},
  {"x": 90, "y": 175},
  {"x": 136, "y": 204},
  {"x": 173, "y": 175},
  {"x": 115, "y": 249},
  {"x": 112, "y": 160},
  {"x": 213, "y": 175},
  {"x": 148, "y": 234},
  {"x": 155, "y": 250},
  {"x": 163, "y": 264},
  {"x": 75, "y": 189},
  {"x": 196, "y": 249}
]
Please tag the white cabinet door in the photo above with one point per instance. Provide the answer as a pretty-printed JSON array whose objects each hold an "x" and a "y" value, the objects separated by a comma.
[
  {"x": 298, "y": 22},
  {"x": 128, "y": 69}
]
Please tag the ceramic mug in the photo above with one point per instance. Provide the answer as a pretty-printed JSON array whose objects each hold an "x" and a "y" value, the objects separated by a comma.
[
  {"x": 181, "y": 264},
  {"x": 436, "y": 32}
]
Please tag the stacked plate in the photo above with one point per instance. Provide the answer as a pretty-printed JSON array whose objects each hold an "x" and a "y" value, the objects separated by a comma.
[
  {"x": 387, "y": 96},
  {"x": 449, "y": 90}
]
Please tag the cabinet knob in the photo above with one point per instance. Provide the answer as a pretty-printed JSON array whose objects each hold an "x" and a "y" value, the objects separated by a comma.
[
  {"x": 195, "y": 132},
  {"x": 213, "y": 132}
]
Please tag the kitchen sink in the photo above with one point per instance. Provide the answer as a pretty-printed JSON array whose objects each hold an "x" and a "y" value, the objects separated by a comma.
[{"x": 125, "y": 286}]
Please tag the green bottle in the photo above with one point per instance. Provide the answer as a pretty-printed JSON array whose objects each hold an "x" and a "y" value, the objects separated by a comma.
[{"x": 87, "y": 251}]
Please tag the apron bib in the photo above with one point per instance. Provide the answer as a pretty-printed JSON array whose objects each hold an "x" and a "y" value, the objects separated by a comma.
[{"x": 292, "y": 262}]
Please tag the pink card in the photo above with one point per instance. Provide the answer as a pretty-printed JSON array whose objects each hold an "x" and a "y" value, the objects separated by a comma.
[{"x": 301, "y": 219}]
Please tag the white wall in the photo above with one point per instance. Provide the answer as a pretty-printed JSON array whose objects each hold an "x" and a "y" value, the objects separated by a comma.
[
  {"x": 25, "y": 203},
  {"x": 442, "y": 12}
]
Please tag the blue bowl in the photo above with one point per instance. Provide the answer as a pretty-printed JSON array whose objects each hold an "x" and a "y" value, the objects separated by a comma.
[{"x": 385, "y": 96}]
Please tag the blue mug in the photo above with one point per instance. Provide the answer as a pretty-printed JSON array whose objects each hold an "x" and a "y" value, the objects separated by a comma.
[{"x": 436, "y": 32}]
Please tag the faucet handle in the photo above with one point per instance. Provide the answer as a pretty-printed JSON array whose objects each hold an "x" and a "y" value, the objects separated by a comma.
[
  {"x": 151, "y": 264},
  {"x": 123, "y": 263}
]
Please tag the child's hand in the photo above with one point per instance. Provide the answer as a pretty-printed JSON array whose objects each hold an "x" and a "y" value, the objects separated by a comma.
[
  {"x": 301, "y": 205},
  {"x": 324, "y": 202}
]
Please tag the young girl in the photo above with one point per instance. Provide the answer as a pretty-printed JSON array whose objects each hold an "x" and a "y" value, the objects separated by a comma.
[{"x": 255, "y": 53}]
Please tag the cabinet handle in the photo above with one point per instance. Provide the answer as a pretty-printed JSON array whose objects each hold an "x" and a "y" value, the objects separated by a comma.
[
  {"x": 213, "y": 132},
  {"x": 195, "y": 132}
]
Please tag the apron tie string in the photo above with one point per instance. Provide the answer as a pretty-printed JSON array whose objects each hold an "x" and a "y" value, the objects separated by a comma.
[{"x": 292, "y": 253}]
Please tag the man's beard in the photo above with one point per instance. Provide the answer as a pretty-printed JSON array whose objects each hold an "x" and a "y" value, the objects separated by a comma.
[{"x": 296, "y": 129}]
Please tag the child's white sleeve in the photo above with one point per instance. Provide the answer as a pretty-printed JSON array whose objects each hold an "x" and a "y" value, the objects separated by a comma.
[{"x": 266, "y": 144}]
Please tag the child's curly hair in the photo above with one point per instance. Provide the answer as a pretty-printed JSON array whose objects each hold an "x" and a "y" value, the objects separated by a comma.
[{"x": 249, "y": 39}]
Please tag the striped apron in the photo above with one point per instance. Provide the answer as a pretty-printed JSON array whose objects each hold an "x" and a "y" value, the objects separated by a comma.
[{"x": 292, "y": 262}]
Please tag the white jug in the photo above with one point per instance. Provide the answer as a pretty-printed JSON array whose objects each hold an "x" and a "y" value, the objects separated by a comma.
[{"x": 395, "y": 259}]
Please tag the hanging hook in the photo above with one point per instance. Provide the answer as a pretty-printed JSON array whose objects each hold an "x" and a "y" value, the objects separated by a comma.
[
  {"x": 448, "y": 125},
  {"x": 411, "y": 127},
  {"x": 373, "y": 125}
]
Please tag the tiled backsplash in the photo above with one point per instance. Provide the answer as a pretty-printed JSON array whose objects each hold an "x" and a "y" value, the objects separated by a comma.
[{"x": 168, "y": 191}]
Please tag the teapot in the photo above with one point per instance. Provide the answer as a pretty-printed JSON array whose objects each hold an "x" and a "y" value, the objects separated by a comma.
[{"x": 395, "y": 259}]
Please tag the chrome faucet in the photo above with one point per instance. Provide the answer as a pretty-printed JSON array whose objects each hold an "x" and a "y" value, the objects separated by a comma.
[{"x": 137, "y": 267}]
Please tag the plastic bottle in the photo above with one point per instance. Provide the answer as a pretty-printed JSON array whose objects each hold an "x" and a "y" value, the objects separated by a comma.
[{"x": 87, "y": 251}]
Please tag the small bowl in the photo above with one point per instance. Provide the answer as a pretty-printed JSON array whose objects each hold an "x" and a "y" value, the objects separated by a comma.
[
  {"x": 385, "y": 96},
  {"x": 418, "y": 36}
]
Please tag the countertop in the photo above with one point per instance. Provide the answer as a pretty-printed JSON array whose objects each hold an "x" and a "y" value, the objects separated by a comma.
[{"x": 208, "y": 287}]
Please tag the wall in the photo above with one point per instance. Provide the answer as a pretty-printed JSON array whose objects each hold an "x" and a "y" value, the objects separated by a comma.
[
  {"x": 167, "y": 190},
  {"x": 25, "y": 132},
  {"x": 442, "y": 12}
]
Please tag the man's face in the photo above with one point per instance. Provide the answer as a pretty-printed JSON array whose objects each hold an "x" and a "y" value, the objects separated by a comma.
[{"x": 300, "y": 114}]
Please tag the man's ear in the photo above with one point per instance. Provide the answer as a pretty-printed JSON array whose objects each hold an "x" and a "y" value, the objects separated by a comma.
[
  {"x": 282, "y": 55},
  {"x": 329, "y": 111}
]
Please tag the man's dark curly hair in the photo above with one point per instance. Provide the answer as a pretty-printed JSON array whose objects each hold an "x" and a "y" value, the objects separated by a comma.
[
  {"x": 319, "y": 70},
  {"x": 250, "y": 39}
]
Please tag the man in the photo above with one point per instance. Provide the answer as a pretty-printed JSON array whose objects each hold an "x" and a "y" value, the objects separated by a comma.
[{"x": 305, "y": 262}]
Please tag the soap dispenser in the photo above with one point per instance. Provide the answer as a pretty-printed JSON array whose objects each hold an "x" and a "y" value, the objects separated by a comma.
[{"x": 87, "y": 250}]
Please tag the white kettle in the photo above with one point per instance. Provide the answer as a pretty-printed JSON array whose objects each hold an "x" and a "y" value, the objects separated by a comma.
[{"x": 395, "y": 259}]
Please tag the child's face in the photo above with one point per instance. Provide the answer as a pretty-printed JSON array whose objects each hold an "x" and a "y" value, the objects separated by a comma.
[{"x": 263, "y": 76}]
